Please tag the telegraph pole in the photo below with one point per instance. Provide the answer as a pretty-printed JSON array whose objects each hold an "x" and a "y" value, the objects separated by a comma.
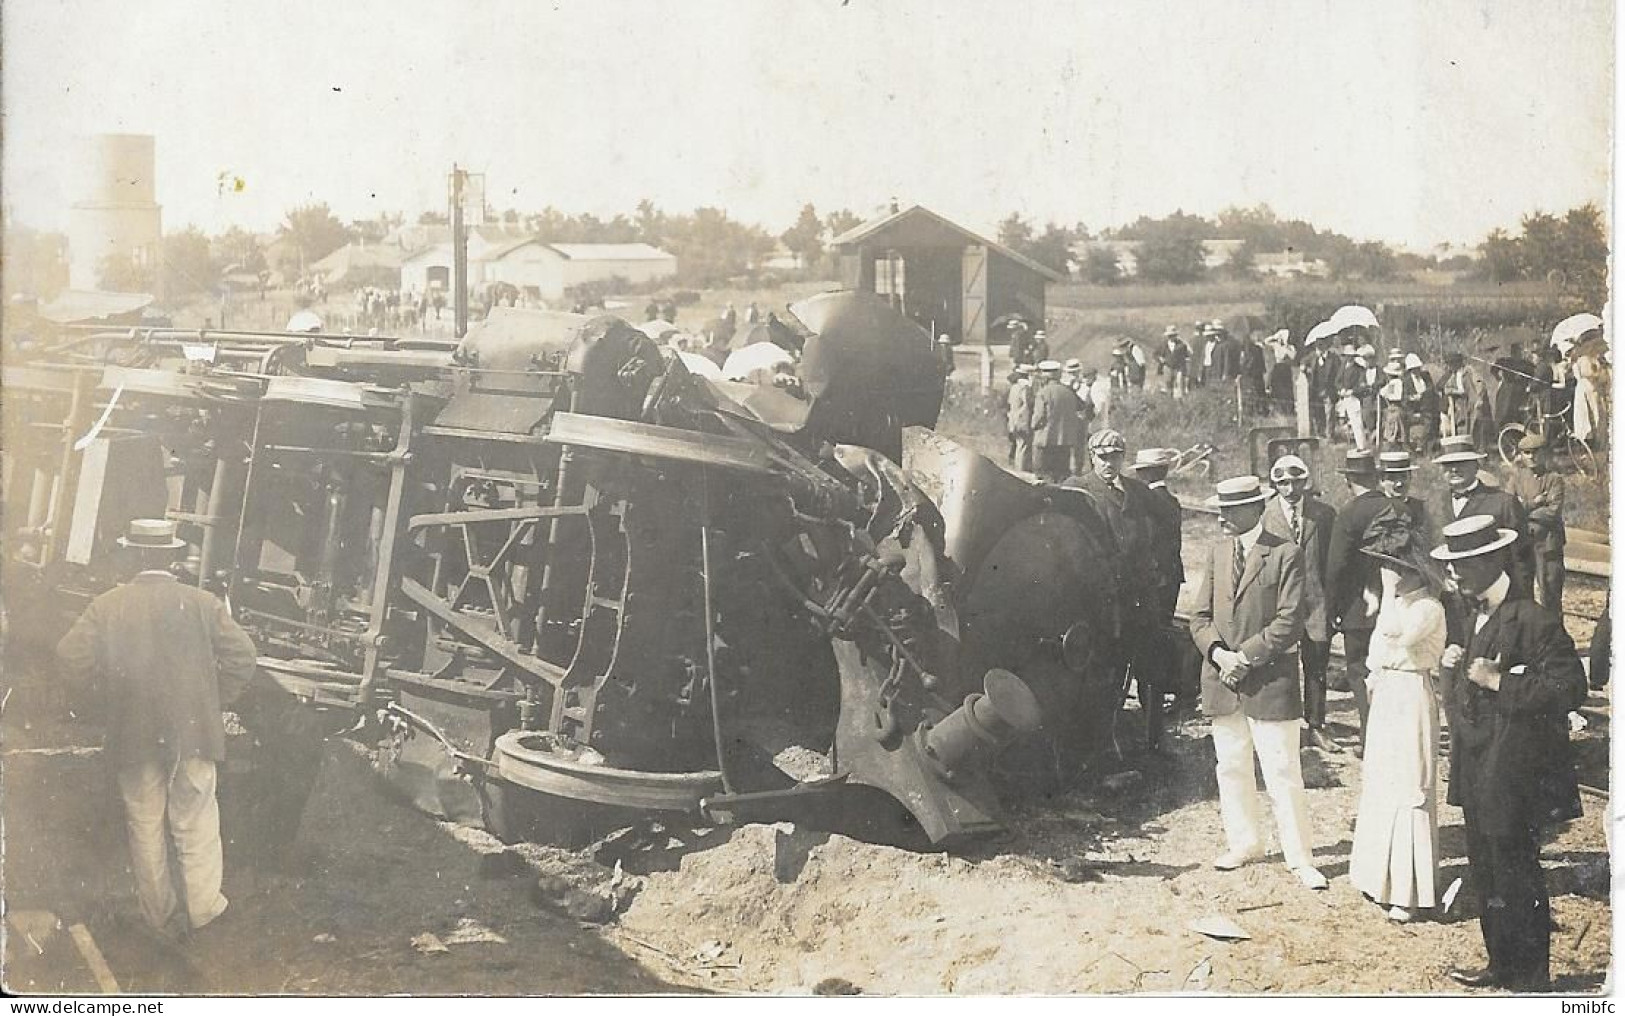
[{"x": 459, "y": 251}]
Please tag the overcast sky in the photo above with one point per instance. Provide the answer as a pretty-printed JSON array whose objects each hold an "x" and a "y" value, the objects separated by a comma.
[{"x": 1412, "y": 121}]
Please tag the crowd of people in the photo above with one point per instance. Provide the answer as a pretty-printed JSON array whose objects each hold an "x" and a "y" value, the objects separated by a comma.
[
  {"x": 1371, "y": 399},
  {"x": 1451, "y": 602}
]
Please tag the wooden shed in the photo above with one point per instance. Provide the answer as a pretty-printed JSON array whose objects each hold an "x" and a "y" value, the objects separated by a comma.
[{"x": 942, "y": 275}]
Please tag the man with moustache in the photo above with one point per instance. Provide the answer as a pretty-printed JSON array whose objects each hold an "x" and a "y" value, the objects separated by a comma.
[
  {"x": 1302, "y": 519},
  {"x": 1467, "y": 494},
  {"x": 1246, "y": 623}
]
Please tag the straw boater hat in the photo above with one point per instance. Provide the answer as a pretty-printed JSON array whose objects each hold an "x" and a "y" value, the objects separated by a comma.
[
  {"x": 1472, "y": 536},
  {"x": 1368, "y": 351},
  {"x": 1024, "y": 369},
  {"x": 1050, "y": 367},
  {"x": 1153, "y": 458},
  {"x": 1171, "y": 332},
  {"x": 1107, "y": 440},
  {"x": 1413, "y": 362},
  {"x": 1395, "y": 462},
  {"x": 1074, "y": 365},
  {"x": 1237, "y": 490},
  {"x": 1457, "y": 448},
  {"x": 152, "y": 534},
  {"x": 1357, "y": 463}
]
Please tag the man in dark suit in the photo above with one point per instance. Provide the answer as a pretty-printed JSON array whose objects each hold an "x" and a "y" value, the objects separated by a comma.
[
  {"x": 1126, "y": 505},
  {"x": 1353, "y": 584},
  {"x": 1512, "y": 677},
  {"x": 1153, "y": 670},
  {"x": 1055, "y": 423},
  {"x": 168, "y": 658},
  {"x": 1302, "y": 519},
  {"x": 1246, "y": 623},
  {"x": 1467, "y": 494}
]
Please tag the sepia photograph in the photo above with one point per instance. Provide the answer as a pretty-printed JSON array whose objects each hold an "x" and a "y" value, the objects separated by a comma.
[{"x": 806, "y": 498}]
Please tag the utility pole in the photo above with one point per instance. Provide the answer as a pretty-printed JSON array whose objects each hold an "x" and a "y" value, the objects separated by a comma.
[{"x": 459, "y": 251}]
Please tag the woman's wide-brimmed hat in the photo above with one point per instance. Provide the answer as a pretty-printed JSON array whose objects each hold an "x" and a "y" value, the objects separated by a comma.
[
  {"x": 1473, "y": 536},
  {"x": 1389, "y": 537}
]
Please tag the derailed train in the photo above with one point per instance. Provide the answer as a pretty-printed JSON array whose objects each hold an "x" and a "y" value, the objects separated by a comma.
[{"x": 557, "y": 577}]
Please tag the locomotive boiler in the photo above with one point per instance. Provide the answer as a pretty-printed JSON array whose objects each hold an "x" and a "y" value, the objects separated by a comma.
[{"x": 556, "y": 579}]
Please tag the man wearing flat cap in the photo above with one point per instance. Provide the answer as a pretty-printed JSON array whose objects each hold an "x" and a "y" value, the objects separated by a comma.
[
  {"x": 1353, "y": 579},
  {"x": 1304, "y": 520},
  {"x": 1246, "y": 623},
  {"x": 1467, "y": 494},
  {"x": 168, "y": 658},
  {"x": 1539, "y": 490},
  {"x": 1511, "y": 676}
]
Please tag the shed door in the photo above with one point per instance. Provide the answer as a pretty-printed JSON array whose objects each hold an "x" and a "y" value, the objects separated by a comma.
[{"x": 973, "y": 276}]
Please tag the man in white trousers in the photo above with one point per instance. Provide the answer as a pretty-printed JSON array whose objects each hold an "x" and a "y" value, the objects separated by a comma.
[
  {"x": 166, "y": 659},
  {"x": 1247, "y": 621}
]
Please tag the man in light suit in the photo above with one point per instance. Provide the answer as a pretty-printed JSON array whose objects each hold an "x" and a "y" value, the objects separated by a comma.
[
  {"x": 1246, "y": 623},
  {"x": 1304, "y": 520}
]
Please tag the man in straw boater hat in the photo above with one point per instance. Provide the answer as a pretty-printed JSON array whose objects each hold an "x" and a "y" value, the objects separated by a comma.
[
  {"x": 1055, "y": 423},
  {"x": 168, "y": 658},
  {"x": 1246, "y": 623},
  {"x": 1539, "y": 490},
  {"x": 1353, "y": 585},
  {"x": 1306, "y": 521},
  {"x": 1511, "y": 677},
  {"x": 1467, "y": 494},
  {"x": 1153, "y": 669},
  {"x": 1018, "y": 419}
]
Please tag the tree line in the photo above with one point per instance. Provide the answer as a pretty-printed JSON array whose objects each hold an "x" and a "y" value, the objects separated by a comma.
[{"x": 1570, "y": 251}]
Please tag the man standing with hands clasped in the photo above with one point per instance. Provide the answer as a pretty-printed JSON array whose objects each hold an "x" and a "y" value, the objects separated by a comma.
[
  {"x": 1511, "y": 678},
  {"x": 1246, "y": 623}
]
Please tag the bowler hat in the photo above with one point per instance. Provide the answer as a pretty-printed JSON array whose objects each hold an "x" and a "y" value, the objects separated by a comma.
[
  {"x": 1472, "y": 536},
  {"x": 152, "y": 534}
]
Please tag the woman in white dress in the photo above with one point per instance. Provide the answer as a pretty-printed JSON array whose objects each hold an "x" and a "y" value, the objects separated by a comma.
[{"x": 1395, "y": 859}]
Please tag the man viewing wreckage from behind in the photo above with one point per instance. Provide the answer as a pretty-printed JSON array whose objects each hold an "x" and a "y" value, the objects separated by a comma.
[{"x": 167, "y": 658}]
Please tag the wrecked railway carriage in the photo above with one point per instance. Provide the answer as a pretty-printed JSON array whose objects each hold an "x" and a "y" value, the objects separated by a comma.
[{"x": 557, "y": 577}]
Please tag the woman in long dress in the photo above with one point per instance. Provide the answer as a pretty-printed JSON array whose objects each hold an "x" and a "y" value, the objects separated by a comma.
[{"x": 1396, "y": 833}]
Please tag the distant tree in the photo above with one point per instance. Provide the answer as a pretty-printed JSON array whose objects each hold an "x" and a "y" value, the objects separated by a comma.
[
  {"x": 1372, "y": 261},
  {"x": 1585, "y": 254},
  {"x": 238, "y": 250},
  {"x": 32, "y": 262},
  {"x": 1243, "y": 262},
  {"x": 1172, "y": 249},
  {"x": 1015, "y": 232},
  {"x": 842, "y": 221},
  {"x": 805, "y": 239},
  {"x": 1052, "y": 248},
  {"x": 1100, "y": 267},
  {"x": 510, "y": 216},
  {"x": 433, "y": 219},
  {"x": 315, "y": 232},
  {"x": 188, "y": 267},
  {"x": 650, "y": 222}
]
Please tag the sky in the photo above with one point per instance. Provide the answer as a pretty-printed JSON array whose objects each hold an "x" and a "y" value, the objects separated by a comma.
[{"x": 1415, "y": 122}]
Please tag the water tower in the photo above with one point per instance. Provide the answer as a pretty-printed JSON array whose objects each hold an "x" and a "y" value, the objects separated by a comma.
[{"x": 117, "y": 211}]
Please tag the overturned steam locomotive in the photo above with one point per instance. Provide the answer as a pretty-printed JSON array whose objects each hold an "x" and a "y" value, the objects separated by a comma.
[{"x": 556, "y": 577}]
